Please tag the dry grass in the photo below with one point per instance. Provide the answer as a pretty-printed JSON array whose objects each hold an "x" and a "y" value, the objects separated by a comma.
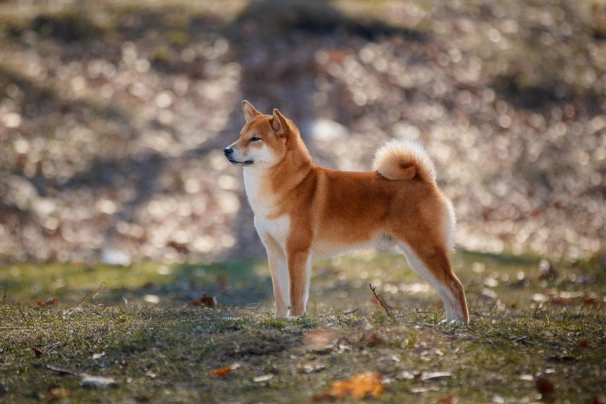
[{"x": 525, "y": 324}]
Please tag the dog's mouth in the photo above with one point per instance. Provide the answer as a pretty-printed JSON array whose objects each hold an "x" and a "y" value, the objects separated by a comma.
[{"x": 243, "y": 163}]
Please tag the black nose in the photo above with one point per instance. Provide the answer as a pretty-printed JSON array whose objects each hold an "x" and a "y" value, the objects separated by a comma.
[{"x": 228, "y": 151}]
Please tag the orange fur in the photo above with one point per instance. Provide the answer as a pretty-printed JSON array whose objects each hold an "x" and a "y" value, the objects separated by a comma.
[{"x": 304, "y": 211}]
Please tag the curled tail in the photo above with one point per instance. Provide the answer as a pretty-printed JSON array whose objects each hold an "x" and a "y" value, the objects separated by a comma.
[{"x": 404, "y": 159}]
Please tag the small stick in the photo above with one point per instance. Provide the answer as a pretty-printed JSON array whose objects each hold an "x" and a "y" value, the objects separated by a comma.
[
  {"x": 85, "y": 296},
  {"x": 380, "y": 301},
  {"x": 99, "y": 291}
]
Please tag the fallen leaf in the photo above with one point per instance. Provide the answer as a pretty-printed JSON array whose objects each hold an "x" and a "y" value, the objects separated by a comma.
[
  {"x": 590, "y": 301},
  {"x": 48, "y": 303},
  {"x": 57, "y": 393},
  {"x": 206, "y": 301},
  {"x": 449, "y": 400},
  {"x": 221, "y": 371},
  {"x": 98, "y": 355},
  {"x": 434, "y": 375},
  {"x": 264, "y": 378},
  {"x": 560, "y": 301},
  {"x": 309, "y": 367},
  {"x": 100, "y": 382},
  {"x": 320, "y": 339},
  {"x": 373, "y": 339},
  {"x": 545, "y": 387},
  {"x": 37, "y": 352},
  {"x": 581, "y": 346},
  {"x": 359, "y": 386},
  {"x": 61, "y": 371}
]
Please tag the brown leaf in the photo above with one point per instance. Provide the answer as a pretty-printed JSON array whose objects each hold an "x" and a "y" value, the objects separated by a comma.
[
  {"x": 37, "y": 352},
  {"x": 57, "y": 393},
  {"x": 545, "y": 387},
  {"x": 320, "y": 339},
  {"x": 221, "y": 371},
  {"x": 581, "y": 346},
  {"x": 373, "y": 339},
  {"x": 359, "y": 386},
  {"x": 205, "y": 301},
  {"x": 560, "y": 301},
  {"x": 48, "y": 303}
]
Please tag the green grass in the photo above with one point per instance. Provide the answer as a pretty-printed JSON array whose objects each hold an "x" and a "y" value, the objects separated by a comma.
[{"x": 104, "y": 323}]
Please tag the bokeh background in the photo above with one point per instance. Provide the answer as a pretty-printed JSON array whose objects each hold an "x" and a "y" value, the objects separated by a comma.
[{"x": 114, "y": 114}]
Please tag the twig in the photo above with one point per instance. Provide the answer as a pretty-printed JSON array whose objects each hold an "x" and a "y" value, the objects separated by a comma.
[
  {"x": 380, "y": 301},
  {"x": 22, "y": 314},
  {"x": 99, "y": 291},
  {"x": 85, "y": 296}
]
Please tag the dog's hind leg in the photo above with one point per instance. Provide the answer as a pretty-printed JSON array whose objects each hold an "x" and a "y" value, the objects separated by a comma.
[
  {"x": 279, "y": 275},
  {"x": 431, "y": 262}
]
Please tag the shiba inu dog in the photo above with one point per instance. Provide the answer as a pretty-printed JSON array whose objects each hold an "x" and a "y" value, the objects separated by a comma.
[{"x": 303, "y": 211}]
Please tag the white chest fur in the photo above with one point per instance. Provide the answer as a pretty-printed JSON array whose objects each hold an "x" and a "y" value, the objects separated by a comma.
[{"x": 263, "y": 204}]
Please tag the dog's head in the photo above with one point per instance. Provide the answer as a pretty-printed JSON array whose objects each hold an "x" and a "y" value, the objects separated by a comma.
[{"x": 262, "y": 140}]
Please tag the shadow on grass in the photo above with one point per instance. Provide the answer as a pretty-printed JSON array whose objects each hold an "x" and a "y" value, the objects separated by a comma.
[{"x": 234, "y": 283}]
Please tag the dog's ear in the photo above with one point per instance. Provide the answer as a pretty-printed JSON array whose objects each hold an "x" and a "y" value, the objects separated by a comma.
[
  {"x": 278, "y": 123},
  {"x": 249, "y": 110}
]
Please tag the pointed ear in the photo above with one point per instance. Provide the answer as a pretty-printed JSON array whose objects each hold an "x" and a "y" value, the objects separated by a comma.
[
  {"x": 249, "y": 110},
  {"x": 278, "y": 123}
]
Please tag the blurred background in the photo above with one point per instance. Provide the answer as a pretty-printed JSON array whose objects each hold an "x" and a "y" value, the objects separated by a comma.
[{"x": 114, "y": 114}]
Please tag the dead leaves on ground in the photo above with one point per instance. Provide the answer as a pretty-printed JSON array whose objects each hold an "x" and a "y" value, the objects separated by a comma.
[
  {"x": 358, "y": 387},
  {"x": 222, "y": 372},
  {"x": 49, "y": 303},
  {"x": 205, "y": 301}
]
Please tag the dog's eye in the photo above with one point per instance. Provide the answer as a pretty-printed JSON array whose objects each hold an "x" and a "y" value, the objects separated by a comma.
[{"x": 255, "y": 139}]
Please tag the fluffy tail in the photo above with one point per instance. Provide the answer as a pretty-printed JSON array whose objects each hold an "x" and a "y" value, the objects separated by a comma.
[{"x": 404, "y": 159}]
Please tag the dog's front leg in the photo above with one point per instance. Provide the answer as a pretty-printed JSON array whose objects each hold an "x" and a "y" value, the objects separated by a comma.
[
  {"x": 279, "y": 275},
  {"x": 299, "y": 270}
]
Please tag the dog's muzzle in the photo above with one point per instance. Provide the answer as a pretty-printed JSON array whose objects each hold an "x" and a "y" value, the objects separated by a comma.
[{"x": 229, "y": 154}]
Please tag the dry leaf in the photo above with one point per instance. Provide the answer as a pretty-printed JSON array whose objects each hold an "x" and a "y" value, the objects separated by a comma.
[
  {"x": 359, "y": 386},
  {"x": 434, "y": 375},
  {"x": 205, "y": 301},
  {"x": 545, "y": 387},
  {"x": 48, "y": 303},
  {"x": 264, "y": 378},
  {"x": 57, "y": 393},
  {"x": 98, "y": 382},
  {"x": 560, "y": 301},
  {"x": 320, "y": 339},
  {"x": 37, "y": 352},
  {"x": 309, "y": 367},
  {"x": 221, "y": 371},
  {"x": 373, "y": 339}
]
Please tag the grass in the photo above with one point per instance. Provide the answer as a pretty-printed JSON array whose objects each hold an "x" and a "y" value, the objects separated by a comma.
[{"x": 138, "y": 326}]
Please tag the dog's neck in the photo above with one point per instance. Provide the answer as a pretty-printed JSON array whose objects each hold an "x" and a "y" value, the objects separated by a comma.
[{"x": 266, "y": 186}]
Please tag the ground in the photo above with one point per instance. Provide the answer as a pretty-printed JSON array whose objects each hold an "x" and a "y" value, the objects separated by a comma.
[{"x": 536, "y": 333}]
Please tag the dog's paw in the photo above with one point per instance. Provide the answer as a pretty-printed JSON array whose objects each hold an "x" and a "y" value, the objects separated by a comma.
[{"x": 454, "y": 322}]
